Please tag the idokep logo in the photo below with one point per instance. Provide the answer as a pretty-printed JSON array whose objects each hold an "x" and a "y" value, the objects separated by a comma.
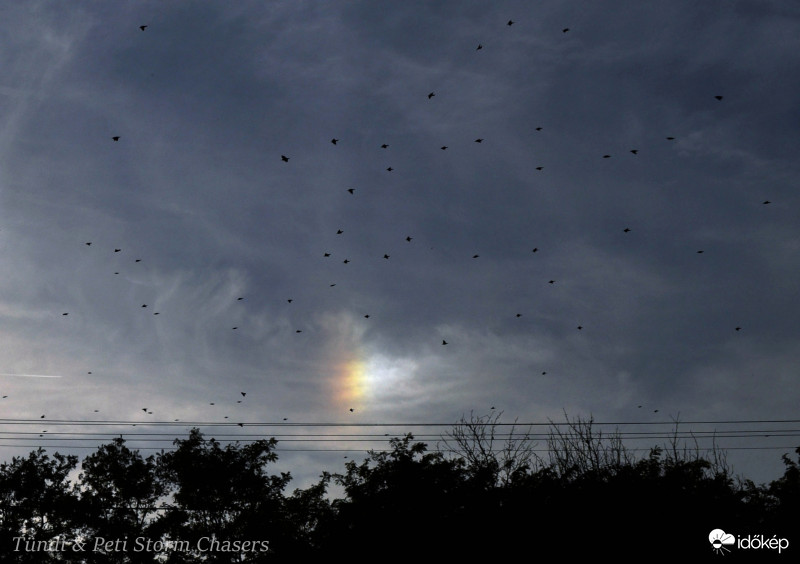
[{"x": 720, "y": 540}]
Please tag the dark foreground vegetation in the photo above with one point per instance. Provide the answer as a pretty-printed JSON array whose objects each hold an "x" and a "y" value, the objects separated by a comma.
[{"x": 479, "y": 497}]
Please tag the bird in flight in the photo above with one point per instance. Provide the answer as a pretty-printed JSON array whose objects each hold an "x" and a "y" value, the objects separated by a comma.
[
  {"x": 670, "y": 138},
  {"x": 346, "y": 261},
  {"x": 565, "y": 30},
  {"x": 386, "y": 256},
  {"x": 384, "y": 146},
  {"x": 738, "y": 328},
  {"x": 334, "y": 141},
  {"x": 390, "y": 169},
  {"x": 444, "y": 147},
  {"x": 479, "y": 140},
  {"x": 535, "y": 249},
  {"x": 431, "y": 95},
  {"x": 626, "y": 229},
  {"x": 444, "y": 342},
  {"x": 409, "y": 239},
  {"x": 718, "y": 97},
  {"x": 115, "y": 138},
  {"x": 243, "y": 394},
  {"x": 510, "y": 22},
  {"x": 117, "y": 250},
  {"x": 351, "y": 410},
  {"x": 143, "y": 27},
  {"x": 479, "y": 47},
  {"x": 606, "y": 156},
  {"x": 351, "y": 190},
  {"x": 538, "y": 129},
  {"x": 635, "y": 151},
  {"x": 767, "y": 202},
  {"x": 539, "y": 167},
  {"x": 284, "y": 158},
  {"x": 339, "y": 231},
  {"x": 326, "y": 255}
]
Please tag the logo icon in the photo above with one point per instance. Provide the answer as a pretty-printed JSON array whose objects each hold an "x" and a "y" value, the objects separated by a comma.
[{"x": 719, "y": 539}]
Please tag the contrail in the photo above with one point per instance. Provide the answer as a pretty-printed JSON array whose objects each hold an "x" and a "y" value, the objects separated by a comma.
[{"x": 32, "y": 375}]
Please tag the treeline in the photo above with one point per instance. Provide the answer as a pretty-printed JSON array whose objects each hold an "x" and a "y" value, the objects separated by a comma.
[{"x": 482, "y": 494}]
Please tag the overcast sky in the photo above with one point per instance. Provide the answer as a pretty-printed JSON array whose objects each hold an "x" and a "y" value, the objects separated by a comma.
[{"x": 615, "y": 315}]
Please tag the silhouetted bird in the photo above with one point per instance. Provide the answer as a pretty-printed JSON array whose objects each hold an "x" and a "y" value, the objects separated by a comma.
[
  {"x": 42, "y": 417},
  {"x": 479, "y": 47},
  {"x": 606, "y": 156},
  {"x": 580, "y": 327},
  {"x": 431, "y": 95},
  {"x": 409, "y": 239},
  {"x": 284, "y": 158},
  {"x": 552, "y": 282},
  {"x": 539, "y": 167},
  {"x": 475, "y": 256},
  {"x": 298, "y": 331},
  {"x": 346, "y": 261},
  {"x": 767, "y": 202},
  {"x": 234, "y": 328},
  {"x": 115, "y": 138},
  {"x": 444, "y": 342},
  {"x": 351, "y": 410},
  {"x": 535, "y": 249},
  {"x": 565, "y": 30},
  {"x": 339, "y": 231},
  {"x": 519, "y": 315},
  {"x": 289, "y": 300},
  {"x": 351, "y": 190},
  {"x": 390, "y": 169},
  {"x": 699, "y": 252},
  {"x": 386, "y": 256},
  {"x": 366, "y": 316},
  {"x": 479, "y": 140},
  {"x": 510, "y": 22},
  {"x": 64, "y": 314},
  {"x": 239, "y": 299},
  {"x": 738, "y": 328},
  {"x": 326, "y": 255},
  {"x": 243, "y": 394},
  {"x": 144, "y": 305},
  {"x": 117, "y": 250},
  {"x": 635, "y": 151},
  {"x": 670, "y": 138},
  {"x": 334, "y": 141},
  {"x": 626, "y": 229},
  {"x": 718, "y": 97},
  {"x": 384, "y": 146},
  {"x": 143, "y": 27},
  {"x": 538, "y": 129},
  {"x": 444, "y": 147},
  {"x": 138, "y": 260}
]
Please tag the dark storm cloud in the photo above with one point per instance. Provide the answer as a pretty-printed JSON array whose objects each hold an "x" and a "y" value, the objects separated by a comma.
[{"x": 207, "y": 99}]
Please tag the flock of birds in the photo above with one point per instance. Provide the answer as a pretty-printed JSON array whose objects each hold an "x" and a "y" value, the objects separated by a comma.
[{"x": 327, "y": 254}]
